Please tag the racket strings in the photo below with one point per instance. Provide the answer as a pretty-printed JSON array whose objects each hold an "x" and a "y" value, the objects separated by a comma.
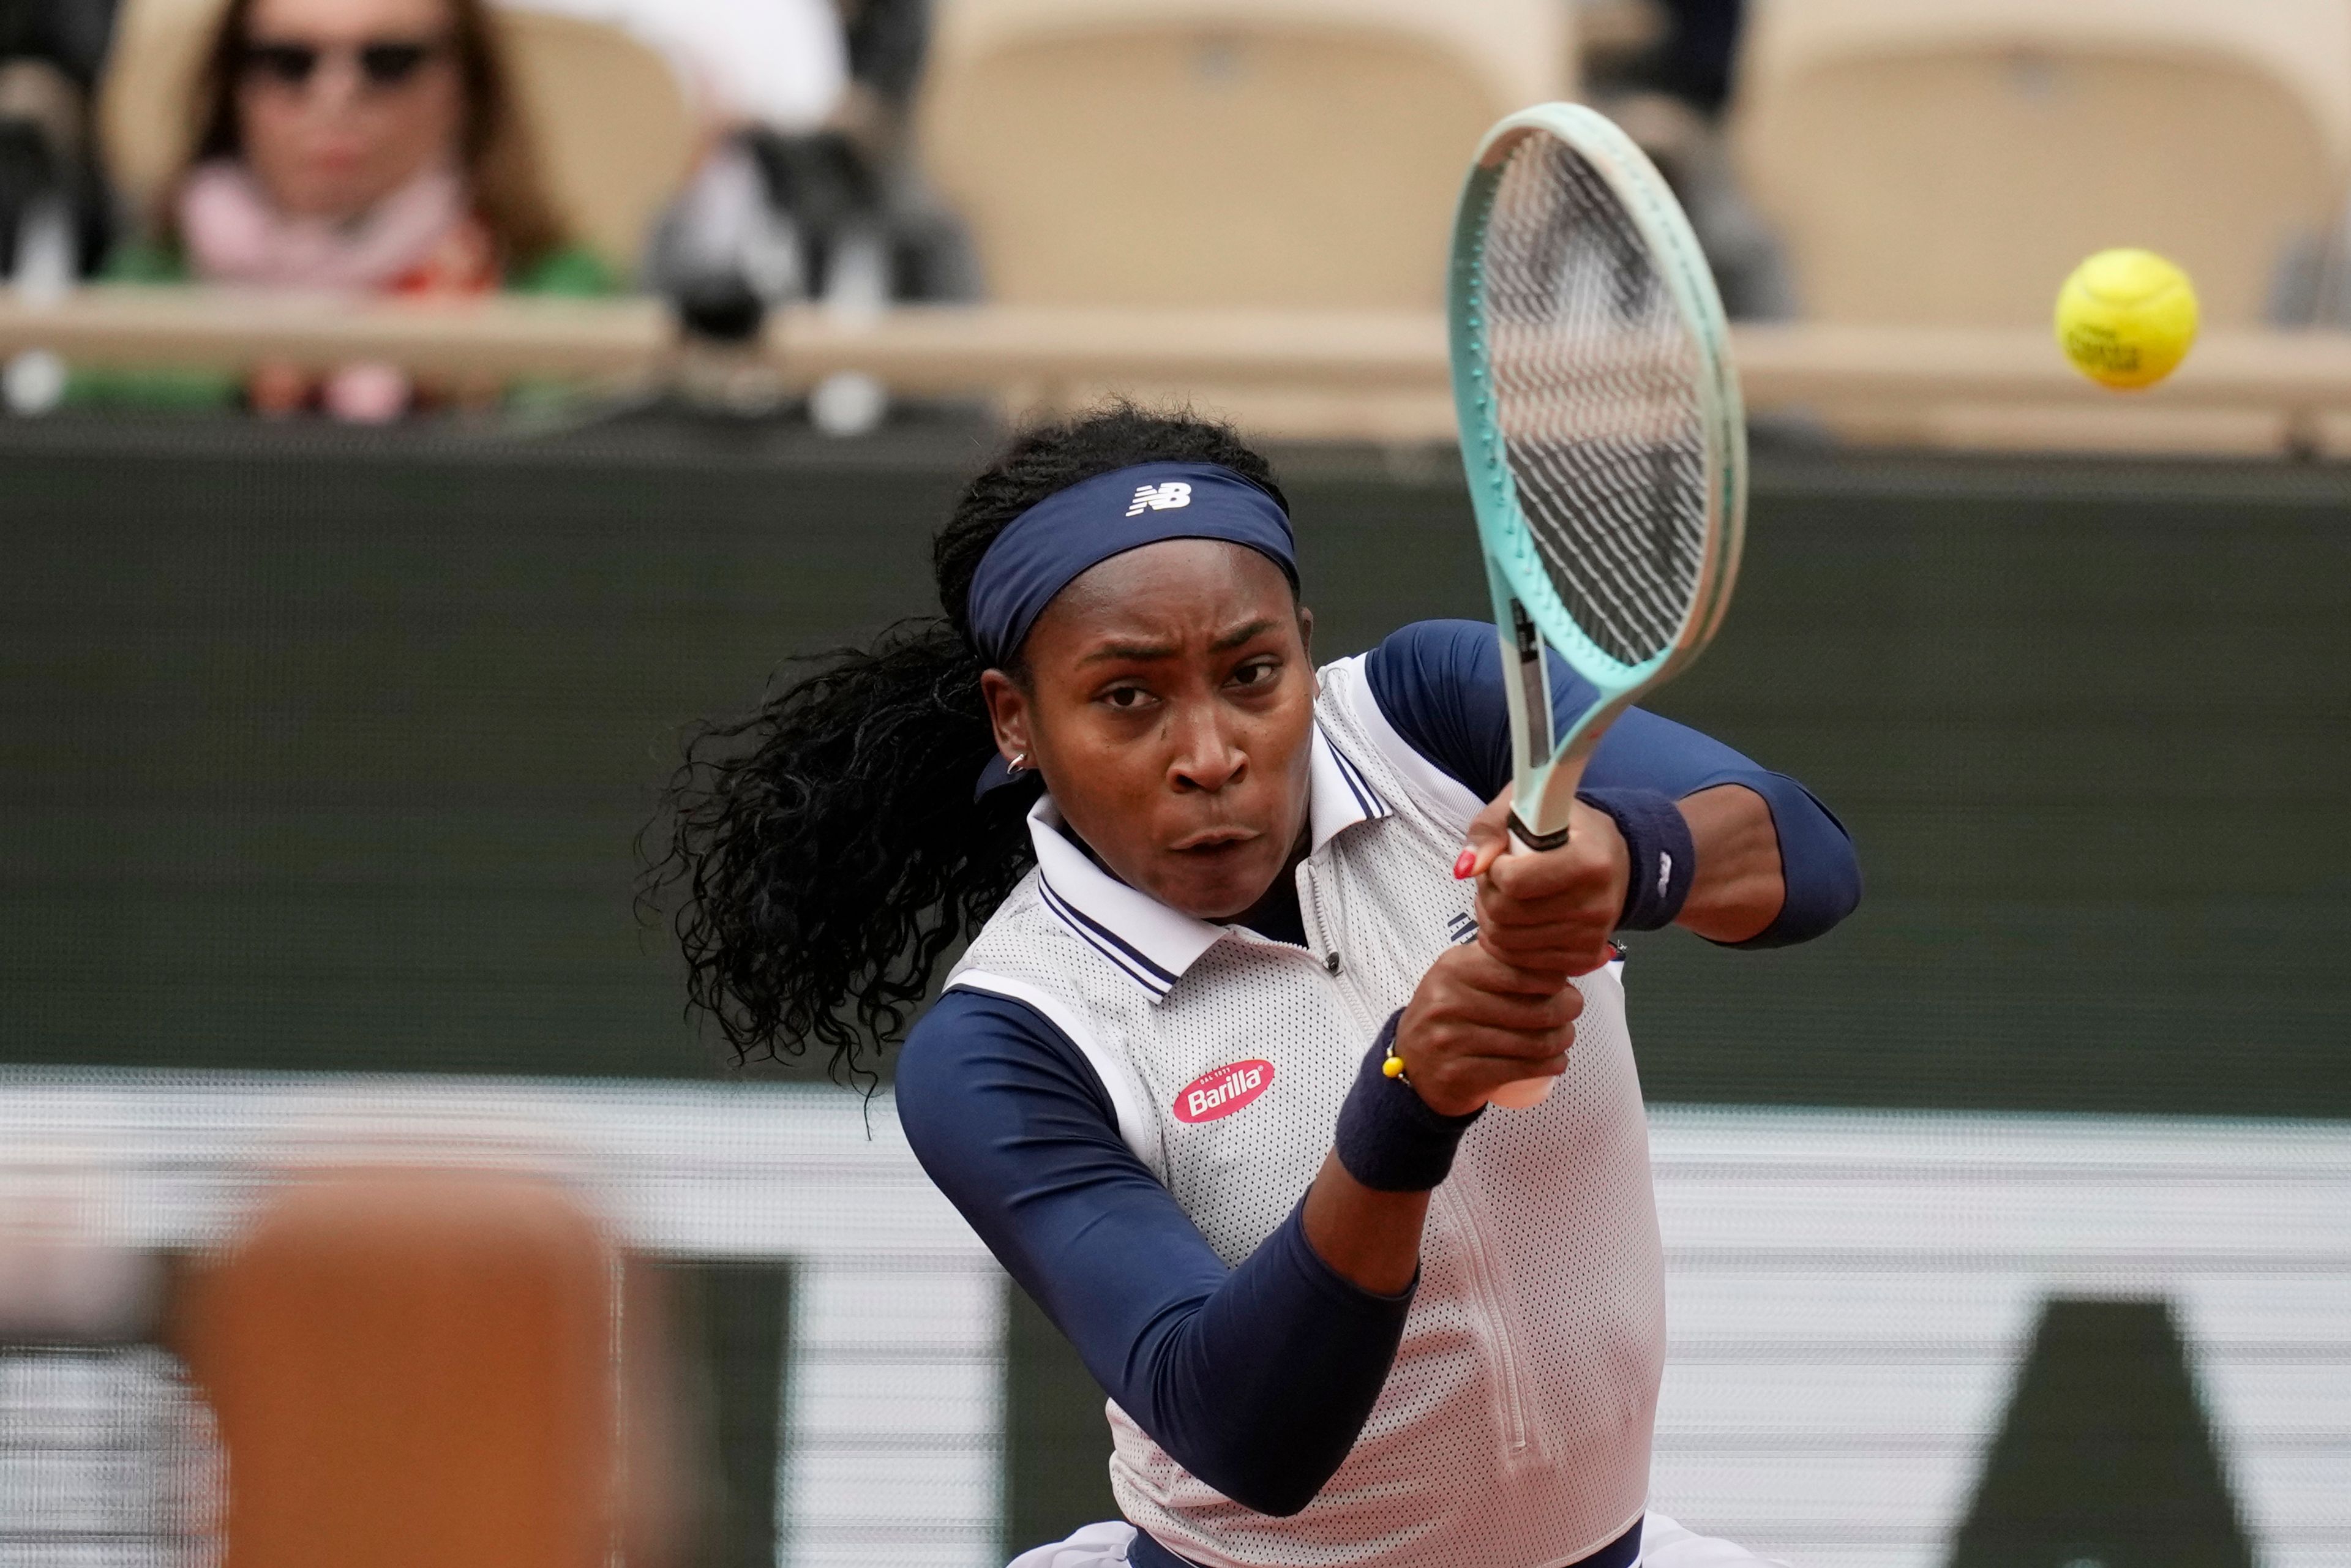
[{"x": 1596, "y": 398}]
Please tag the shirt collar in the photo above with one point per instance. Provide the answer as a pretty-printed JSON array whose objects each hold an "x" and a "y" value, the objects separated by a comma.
[
  {"x": 1340, "y": 794},
  {"x": 1148, "y": 942}
]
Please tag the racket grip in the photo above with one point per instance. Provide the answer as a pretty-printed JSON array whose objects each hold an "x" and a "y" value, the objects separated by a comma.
[
  {"x": 1527, "y": 1092},
  {"x": 1525, "y": 840}
]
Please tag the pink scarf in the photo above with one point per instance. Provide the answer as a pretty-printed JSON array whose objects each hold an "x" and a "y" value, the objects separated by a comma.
[{"x": 234, "y": 234}]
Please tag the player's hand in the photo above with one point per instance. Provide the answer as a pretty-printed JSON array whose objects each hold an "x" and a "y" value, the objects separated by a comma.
[
  {"x": 1549, "y": 913},
  {"x": 1476, "y": 1023}
]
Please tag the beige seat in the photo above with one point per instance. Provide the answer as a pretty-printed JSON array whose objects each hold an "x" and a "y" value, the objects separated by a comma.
[
  {"x": 1949, "y": 161},
  {"x": 411, "y": 1365},
  {"x": 609, "y": 121},
  {"x": 1224, "y": 153}
]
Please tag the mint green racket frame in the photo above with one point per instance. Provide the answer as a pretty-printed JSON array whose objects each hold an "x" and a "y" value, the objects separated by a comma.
[{"x": 1528, "y": 609}]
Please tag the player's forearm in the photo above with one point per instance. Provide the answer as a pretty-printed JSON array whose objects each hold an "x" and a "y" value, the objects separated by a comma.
[
  {"x": 1263, "y": 1386},
  {"x": 1739, "y": 888},
  {"x": 1256, "y": 1377},
  {"x": 1819, "y": 875},
  {"x": 1369, "y": 1239}
]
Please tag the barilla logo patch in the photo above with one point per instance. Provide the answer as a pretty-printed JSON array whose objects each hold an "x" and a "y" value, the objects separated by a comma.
[{"x": 1221, "y": 1090}]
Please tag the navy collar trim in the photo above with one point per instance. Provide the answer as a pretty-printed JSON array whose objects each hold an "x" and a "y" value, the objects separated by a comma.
[{"x": 1109, "y": 943}]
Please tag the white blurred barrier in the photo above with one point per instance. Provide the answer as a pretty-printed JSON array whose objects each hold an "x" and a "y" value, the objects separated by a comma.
[
  {"x": 892, "y": 1430},
  {"x": 1849, "y": 1292}
]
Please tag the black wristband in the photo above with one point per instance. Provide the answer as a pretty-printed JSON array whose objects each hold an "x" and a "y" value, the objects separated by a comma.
[
  {"x": 1665, "y": 859},
  {"x": 1388, "y": 1138}
]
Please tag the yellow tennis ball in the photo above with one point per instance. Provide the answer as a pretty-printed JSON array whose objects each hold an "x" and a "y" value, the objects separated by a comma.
[{"x": 2127, "y": 318}]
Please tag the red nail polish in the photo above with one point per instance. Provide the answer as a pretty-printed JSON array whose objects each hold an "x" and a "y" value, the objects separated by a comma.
[{"x": 1465, "y": 866}]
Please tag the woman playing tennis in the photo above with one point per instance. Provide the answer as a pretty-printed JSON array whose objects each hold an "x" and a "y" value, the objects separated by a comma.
[{"x": 1211, "y": 1077}]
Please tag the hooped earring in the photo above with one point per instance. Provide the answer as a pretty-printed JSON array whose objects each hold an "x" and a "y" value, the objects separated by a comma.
[{"x": 1020, "y": 764}]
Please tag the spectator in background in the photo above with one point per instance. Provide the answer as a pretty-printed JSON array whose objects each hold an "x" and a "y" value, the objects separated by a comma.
[
  {"x": 806, "y": 189},
  {"x": 1699, "y": 52},
  {"x": 803, "y": 199},
  {"x": 358, "y": 145},
  {"x": 930, "y": 255},
  {"x": 53, "y": 205},
  {"x": 1666, "y": 70}
]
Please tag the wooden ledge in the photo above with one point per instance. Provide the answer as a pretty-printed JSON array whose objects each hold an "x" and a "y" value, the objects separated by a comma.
[{"x": 1337, "y": 373}]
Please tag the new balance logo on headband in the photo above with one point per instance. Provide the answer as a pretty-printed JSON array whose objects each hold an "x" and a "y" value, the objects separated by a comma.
[{"x": 1160, "y": 497}]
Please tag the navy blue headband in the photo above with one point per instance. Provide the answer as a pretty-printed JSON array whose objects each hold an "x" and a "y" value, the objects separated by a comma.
[{"x": 1046, "y": 548}]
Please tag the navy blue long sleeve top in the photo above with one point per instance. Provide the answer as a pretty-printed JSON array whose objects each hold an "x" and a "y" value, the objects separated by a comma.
[{"x": 1258, "y": 1378}]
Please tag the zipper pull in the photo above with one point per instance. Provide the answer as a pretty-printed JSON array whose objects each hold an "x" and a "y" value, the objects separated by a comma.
[{"x": 1332, "y": 962}]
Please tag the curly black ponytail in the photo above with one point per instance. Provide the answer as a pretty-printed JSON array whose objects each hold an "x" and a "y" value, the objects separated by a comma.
[{"x": 824, "y": 852}]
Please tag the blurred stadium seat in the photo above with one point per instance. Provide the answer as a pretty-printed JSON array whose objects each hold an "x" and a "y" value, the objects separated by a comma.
[
  {"x": 1224, "y": 153},
  {"x": 409, "y": 1367},
  {"x": 1949, "y": 161},
  {"x": 615, "y": 132},
  {"x": 611, "y": 124}
]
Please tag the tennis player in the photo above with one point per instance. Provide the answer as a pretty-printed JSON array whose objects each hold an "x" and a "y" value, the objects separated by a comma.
[{"x": 1211, "y": 1078}]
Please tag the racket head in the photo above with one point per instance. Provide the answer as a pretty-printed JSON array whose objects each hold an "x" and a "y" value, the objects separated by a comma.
[{"x": 1601, "y": 429}]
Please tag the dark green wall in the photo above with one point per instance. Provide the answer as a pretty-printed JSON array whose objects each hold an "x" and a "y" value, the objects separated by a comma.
[{"x": 325, "y": 750}]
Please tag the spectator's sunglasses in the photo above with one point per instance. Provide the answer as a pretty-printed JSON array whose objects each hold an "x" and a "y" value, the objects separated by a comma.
[{"x": 382, "y": 63}]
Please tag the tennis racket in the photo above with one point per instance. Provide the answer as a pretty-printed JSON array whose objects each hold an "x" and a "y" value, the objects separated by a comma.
[{"x": 1602, "y": 432}]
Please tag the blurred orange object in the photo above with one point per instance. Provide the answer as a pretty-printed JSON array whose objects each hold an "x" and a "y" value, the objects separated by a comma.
[{"x": 414, "y": 1369}]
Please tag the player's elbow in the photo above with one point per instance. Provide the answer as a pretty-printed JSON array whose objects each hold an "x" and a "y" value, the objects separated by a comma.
[
  {"x": 1272, "y": 1457},
  {"x": 1821, "y": 911},
  {"x": 1845, "y": 897},
  {"x": 1284, "y": 1504},
  {"x": 1819, "y": 870},
  {"x": 1813, "y": 906},
  {"x": 1277, "y": 1483}
]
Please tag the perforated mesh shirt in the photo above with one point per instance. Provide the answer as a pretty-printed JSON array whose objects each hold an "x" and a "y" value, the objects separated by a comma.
[{"x": 1514, "y": 1426}]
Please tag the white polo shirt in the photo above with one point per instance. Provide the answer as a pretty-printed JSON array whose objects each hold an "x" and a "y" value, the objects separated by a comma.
[{"x": 1514, "y": 1426}]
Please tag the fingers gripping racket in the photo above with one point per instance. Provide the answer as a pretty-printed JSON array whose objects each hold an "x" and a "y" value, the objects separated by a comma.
[{"x": 1602, "y": 432}]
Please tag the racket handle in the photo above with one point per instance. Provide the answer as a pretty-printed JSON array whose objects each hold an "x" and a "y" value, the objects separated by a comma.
[
  {"x": 1525, "y": 840},
  {"x": 1527, "y": 1092}
]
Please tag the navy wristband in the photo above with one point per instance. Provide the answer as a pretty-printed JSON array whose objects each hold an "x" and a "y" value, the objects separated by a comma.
[
  {"x": 1388, "y": 1138},
  {"x": 1663, "y": 859}
]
